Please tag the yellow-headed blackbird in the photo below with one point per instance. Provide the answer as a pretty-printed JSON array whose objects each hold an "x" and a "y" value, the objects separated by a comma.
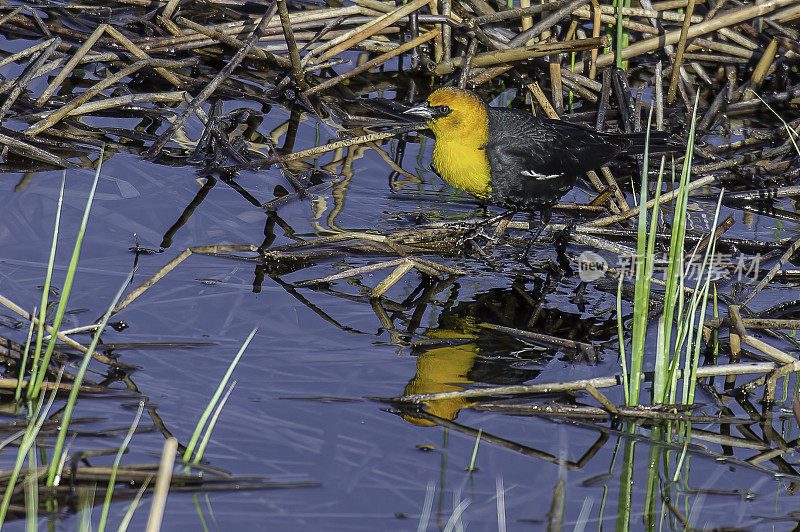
[{"x": 512, "y": 159}]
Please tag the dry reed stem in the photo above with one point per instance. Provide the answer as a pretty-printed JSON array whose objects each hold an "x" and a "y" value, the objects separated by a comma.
[
  {"x": 404, "y": 267},
  {"x": 311, "y": 152},
  {"x": 522, "y": 53},
  {"x": 32, "y": 152},
  {"x": 676, "y": 65},
  {"x": 139, "y": 53},
  {"x": 758, "y": 323},
  {"x": 119, "y": 101},
  {"x": 587, "y": 349},
  {"x": 665, "y": 198},
  {"x": 369, "y": 65},
  {"x": 163, "y": 481},
  {"x": 25, "y": 53},
  {"x": 139, "y": 290},
  {"x": 11, "y": 384},
  {"x": 71, "y": 64},
  {"x": 771, "y": 273},
  {"x": 369, "y": 29},
  {"x": 602, "y": 399},
  {"x": 552, "y": 409},
  {"x": 26, "y": 77},
  {"x": 291, "y": 44},
  {"x": 170, "y": 8},
  {"x": 212, "y": 86},
  {"x": 509, "y": 14},
  {"x": 20, "y": 311},
  {"x": 597, "y": 382},
  {"x": 717, "y": 23},
  {"x": 245, "y": 28},
  {"x": 761, "y": 69},
  {"x": 10, "y": 15},
  {"x": 54, "y": 117}
]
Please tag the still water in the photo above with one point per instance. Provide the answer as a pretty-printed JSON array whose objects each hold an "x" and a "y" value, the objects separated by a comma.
[{"x": 300, "y": 409}]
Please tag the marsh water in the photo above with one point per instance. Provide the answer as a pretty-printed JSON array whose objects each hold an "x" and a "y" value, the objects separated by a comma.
[{"x": 301, "y": 409}]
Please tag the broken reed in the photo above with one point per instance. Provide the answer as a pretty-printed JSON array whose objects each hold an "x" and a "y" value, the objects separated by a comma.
[{"x": 297, "y": 50}]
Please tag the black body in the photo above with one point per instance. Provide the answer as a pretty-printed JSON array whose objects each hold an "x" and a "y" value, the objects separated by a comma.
[{"x": 535, "y": 161}]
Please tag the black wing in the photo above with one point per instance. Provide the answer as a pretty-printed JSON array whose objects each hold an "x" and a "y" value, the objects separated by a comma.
[
  {"x": 550, "y": 147},
  {"x": 534, "y": 161}
]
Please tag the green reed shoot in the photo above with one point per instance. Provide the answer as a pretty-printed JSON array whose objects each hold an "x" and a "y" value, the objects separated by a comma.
[
  {"x": 36, "y": 418},
  {"x": 643, "y": 263},
  {"x": 76, "y": 385},
  {"x": 46, "y": 287},
  {"x": 85, "y": 505},
  {"x": 210, "y": 428},
  {"x": 667, "y": 352},
  {"x": 680, "y": 325},
  {"x": 621, "y": 336},
  {"x": 699, "y": 299},
  {"x": 471, "y": 466},
  {"x": 187, "y": 455},
  {"x": 126, "y": 519},
  {"x": 789, "y": 131},
  {"x": 23, "y": 361},
  {"x": 112, "y": 479},
  {"x": 39, "y": 369},
  {"x": 31, "y": 487},
  {"x": 621, "y": 40},
  {"x": 212, "y": 422}
]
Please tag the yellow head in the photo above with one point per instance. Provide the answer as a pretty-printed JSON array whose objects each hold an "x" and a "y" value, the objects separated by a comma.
[
  {"x": 459, "y": 120},
  {"x": 455, "y": 115}
]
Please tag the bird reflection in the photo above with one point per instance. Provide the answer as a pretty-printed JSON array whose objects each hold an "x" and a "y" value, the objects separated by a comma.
[{"x": 461, "y": 350}]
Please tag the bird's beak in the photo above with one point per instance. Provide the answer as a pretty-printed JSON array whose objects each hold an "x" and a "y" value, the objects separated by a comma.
[{"x": 422, "y": 110}]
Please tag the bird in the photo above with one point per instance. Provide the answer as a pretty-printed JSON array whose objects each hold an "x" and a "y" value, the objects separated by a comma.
[{"x": 511, "y": 158}]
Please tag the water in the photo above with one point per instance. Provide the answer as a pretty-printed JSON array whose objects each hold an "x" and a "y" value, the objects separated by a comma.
[{"x": 299, "y": 411}]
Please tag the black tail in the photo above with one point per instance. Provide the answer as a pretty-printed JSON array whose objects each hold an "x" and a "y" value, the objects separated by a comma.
[{"x": 660, "y": 142}]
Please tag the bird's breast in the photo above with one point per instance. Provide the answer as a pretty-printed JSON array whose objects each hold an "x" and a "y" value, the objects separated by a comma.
[{"x": 464, "y": 167}]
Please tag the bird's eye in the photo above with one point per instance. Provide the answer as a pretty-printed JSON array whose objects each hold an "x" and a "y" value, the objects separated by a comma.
[{"x": 443, "y": 110}]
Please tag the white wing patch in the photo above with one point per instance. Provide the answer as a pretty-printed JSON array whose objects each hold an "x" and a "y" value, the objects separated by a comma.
[{"x": 537, "y": 175}]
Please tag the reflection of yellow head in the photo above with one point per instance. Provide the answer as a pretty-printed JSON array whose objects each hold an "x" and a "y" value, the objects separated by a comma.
[{"x": 442, "y": 370}]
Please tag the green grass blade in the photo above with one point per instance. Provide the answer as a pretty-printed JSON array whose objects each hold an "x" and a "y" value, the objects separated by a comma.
[
  {"x": 471, "y": 467},
  {"x": 643, "y": 267},
  {"x": 66, "y": 289},
  {"x": 621, "y": 335},
  {"x": 85, "y": 505},
  {"x": 32, "y": 491},
  {"x": 674, "y": 283},
  {"x": 187, "y": 455},
  {"x": 212, "y": 422},
  {"x": 618, "y": 42},
  {"x": 126, "y": 519},
  {"x": 47, "y": 279},
  {"x": 707, "y": 261},
  {"x": 113, "y": 477},
  {"x": 651, "y": 240},
  {"x": 76, "y": 384},
  {"x": 23, "y": 361},
  {"x": 789, "y": 131},
  {"x": 37, "y": 418}
]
